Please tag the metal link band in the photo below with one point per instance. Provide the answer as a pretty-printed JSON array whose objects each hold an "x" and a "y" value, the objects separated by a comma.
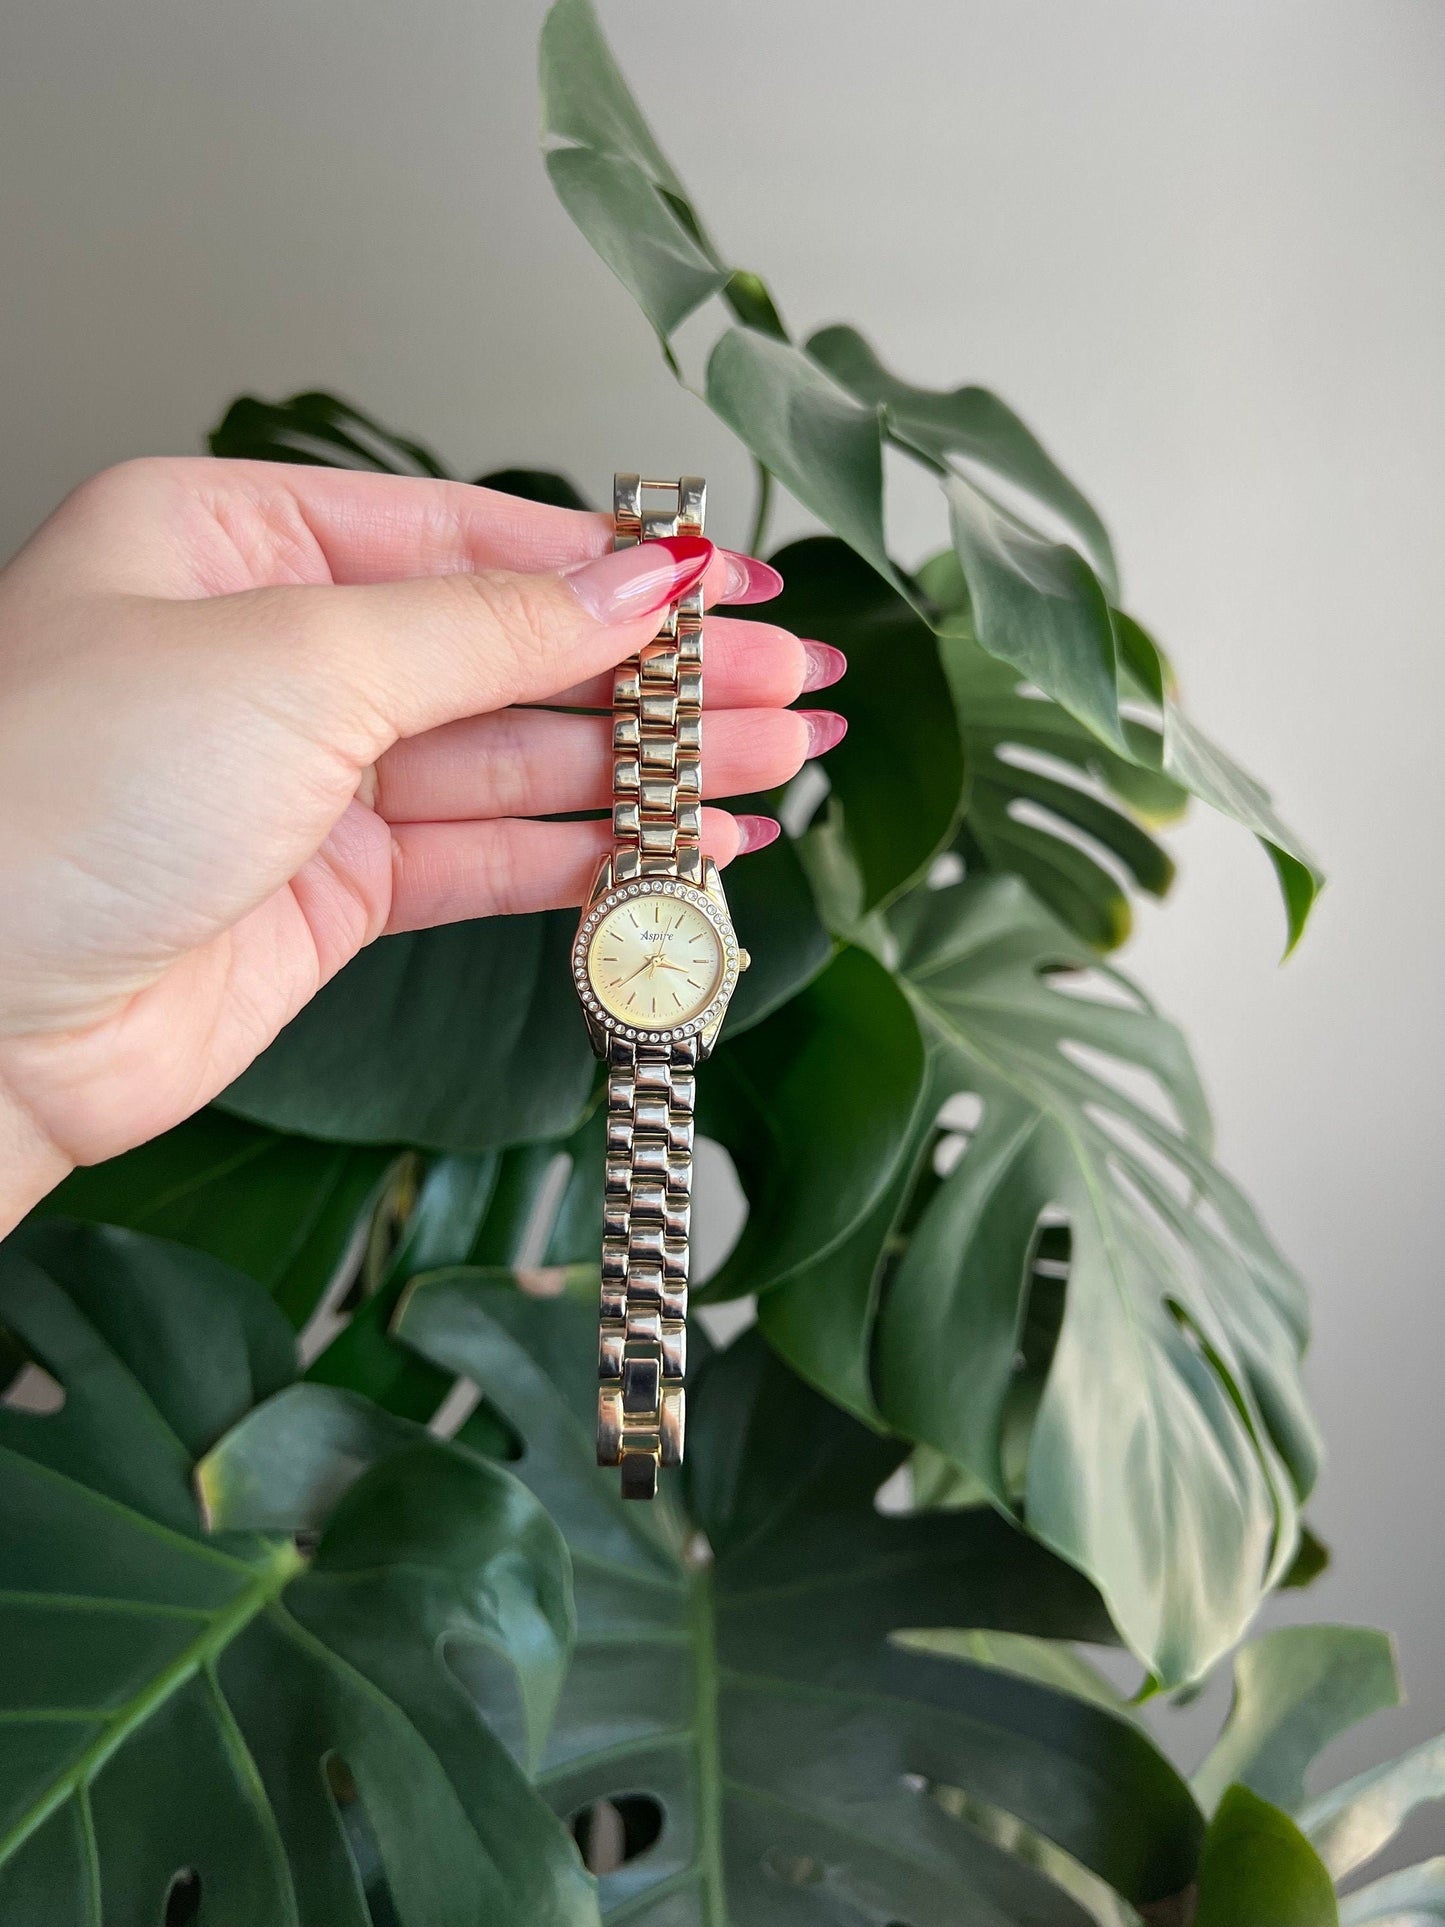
[
  {"x": 657, "y": 705},
  {"x": 642, "y": 1347},
  {"x": 656, "y": 812}
]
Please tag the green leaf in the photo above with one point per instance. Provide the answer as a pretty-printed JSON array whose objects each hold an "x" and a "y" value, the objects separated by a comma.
[
  {"x": 285, "y": 1210},
  {"x": 317, "y": 428},
  {"x": 1171, "y": 1441},
  {"x": 772, "y": 908},
  {"x": 1038, "y": 605},
  {"x": 968, "y": 422},
  {"x": 465, "y": 1038},
  {"x": 1351, "y": 1823},
  {"x": 637, "y": 234},
  {"x": 1311, "y": 1559},
  {"x": 1057, "y": 827},
  {"x": 814, "y": 1107},
  {"x": 1295, "y": 1690},
  {"x": 613, "y": 178},
  {"x": 1204, "y": 769},
  {"x": 819, "y": 442},
  {"x": 227, "y": 1707},
  {"x": 585, "y": 99},
  {"x": 898, "y": 774},
  {"x": 821, "y": 1316},
  {"x": 736, "y": 1670},
  {"x": 286, "y": 1465},
  {"x": 1414, "y": 1897},
  {"x": 1258, "y": 1870},
  {"x": 817, "y": 419},
  {"x": 443, "y": 1221}
]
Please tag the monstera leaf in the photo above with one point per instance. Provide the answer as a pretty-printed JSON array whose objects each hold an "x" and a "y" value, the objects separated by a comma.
[
  {"x": 815, "y": 1108},
  {"x": 258, "y": 1731},
  {"x": 1258, "y": 1867},
  {"x": 898, "y": 775},
  {"x": 1295, "y": 1690},
  {"x": 1046, "y": 799},
  {"x": 1166, "y": 1445},
  {"x": 1272, "y": 1850},
  {"x": 320, "y": 430},
  {"x": 465, "y": 1038},
  {"x": 1171, "y": 1442},
  {"x": 740, "y": 1698},
  {"x": 819, "y": 417},
  {"x": 285, "y": 1210}
]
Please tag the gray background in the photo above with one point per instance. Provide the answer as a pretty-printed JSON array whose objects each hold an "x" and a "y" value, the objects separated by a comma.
[{"x": 1198, "y": 245}]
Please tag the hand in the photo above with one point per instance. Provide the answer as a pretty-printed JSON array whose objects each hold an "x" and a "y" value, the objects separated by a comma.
[{"x": 253, "y": 716}]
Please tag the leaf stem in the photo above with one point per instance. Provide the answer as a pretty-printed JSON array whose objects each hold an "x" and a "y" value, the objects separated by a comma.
[
  {"x": 761, "y": 514},
  {"x": 703, "y": 1626}
]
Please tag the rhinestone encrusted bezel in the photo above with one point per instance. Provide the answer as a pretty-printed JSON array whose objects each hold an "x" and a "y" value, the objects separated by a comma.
[{"x": 653, "y": 886}]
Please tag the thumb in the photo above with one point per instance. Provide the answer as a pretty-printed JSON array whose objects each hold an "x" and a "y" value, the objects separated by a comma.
[{"x": 402, "y": 657}]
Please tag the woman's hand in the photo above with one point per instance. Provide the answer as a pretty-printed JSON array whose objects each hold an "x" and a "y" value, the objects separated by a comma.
[{"x": 253, "y": 716}]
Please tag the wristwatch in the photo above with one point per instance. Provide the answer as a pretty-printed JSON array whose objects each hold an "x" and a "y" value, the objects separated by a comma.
[{"x": 655, "y": 963}]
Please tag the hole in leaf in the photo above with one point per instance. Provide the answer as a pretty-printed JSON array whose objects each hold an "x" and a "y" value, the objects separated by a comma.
[
  {"x": 794, "y": 1869},
  {"x": 716, "y": 1227},
  {"x": 183, "y": 1901},
  {"x": 455, "y": 1409},
  {"x": 361, "y": 1841},
  {"x": 25, "y": 1384},
  {"x": 803, "y": 798},
  {"x": 963, "y": 1112},
  {"x": 34, "y": 1391},
  {"x": 610, "y": 1833}
]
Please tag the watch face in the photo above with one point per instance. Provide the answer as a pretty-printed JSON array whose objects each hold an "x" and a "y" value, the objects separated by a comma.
[{"x": 655, "y": 961}]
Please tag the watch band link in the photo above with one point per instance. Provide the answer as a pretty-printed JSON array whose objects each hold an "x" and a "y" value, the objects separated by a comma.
[
  {"x": 642, "y": 1352},
  {"x": 657, "y": 705},
  {"x": 656, "y": 823}
]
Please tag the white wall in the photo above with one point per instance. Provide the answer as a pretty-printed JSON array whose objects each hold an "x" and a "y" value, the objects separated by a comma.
[{"x": 1198, "y": 245}]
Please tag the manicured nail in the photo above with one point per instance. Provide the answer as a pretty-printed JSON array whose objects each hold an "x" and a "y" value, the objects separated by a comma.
[
  {"x": 628, "y": 583},
  {"x": 825, "y": 729},
  {"x": 750, "y": 580},
  {"x": 756, "y": 832},
  {"x": 823, "y": 665}
]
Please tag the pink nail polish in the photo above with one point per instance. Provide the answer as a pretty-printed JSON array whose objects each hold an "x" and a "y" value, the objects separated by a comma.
[
  {"x": 627, "y": 584},
  {"x": 826, "y": 729},
  {"x": 756, "y": 832},
  {"x": 750, "y": 580},
  {"x": 823, "y": 665}
]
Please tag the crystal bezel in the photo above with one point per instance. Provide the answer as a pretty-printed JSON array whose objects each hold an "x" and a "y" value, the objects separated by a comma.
[{"x": 645, "y": 887}]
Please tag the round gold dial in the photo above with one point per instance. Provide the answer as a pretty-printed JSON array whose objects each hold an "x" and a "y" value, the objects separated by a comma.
[{"x": 655, "y": 961}]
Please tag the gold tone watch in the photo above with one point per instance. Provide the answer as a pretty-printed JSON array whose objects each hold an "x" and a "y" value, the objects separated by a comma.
[{"x": 655, "y": 963}]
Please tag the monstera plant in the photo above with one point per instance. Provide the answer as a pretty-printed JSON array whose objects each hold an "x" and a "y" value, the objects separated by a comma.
[{"x": 315, "y": 1610}]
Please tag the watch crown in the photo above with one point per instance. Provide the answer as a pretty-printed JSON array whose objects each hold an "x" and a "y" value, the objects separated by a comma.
[{"x": 745, "y": 957}]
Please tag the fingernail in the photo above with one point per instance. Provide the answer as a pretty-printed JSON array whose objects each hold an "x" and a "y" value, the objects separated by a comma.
[
  {"x": 825, "y": 728},
  {"x": 628, "y": 583},
  {"x": 750, "y": 580},
  {"x": 823, "y": 665},
  {"x": 756, "y": 832}
]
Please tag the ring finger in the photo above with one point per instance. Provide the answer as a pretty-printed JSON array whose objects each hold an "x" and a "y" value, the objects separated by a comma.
[{"x": 542, "y": 762}]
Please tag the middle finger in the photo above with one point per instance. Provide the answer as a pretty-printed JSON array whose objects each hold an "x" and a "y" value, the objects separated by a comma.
[
  {"x": 541, "y": 762},
  {"x": 750, "y": 665}
]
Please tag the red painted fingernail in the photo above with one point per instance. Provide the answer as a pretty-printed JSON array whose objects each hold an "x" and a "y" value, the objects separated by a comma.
[
  {"x": 823, "y": 665},
  {"x": 750, "y": 580},
  {"x": 756, "y": 832},
  {"x": 825, "y": 729},
  {"x": 626, "y": 584}
]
